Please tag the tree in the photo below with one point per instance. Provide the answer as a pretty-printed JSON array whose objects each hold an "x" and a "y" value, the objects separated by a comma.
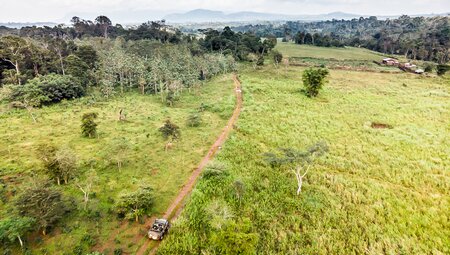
[
  {"x": 14, "y": 228},
  {"x": 135, "y": 204},
  {"x": 170, "y": 130},
  {"x": 104, "y": 23},
  {"x": 88, "y": 125},
  {"x": 313, "y": 80},
  {"x": 67, "y": 163},
  {"x": 59, "y": 164},
  {"x": 194, "y": 119},
  {"x": 41, "y": 203},
  {"x": 76, "y": 67},
  {"x": 86, "y": 186},
  {"x": 298, "y": 162},
  {"x": 119, "y": 149},
  {"x": 13, "y": 50},
  {"x": 277, "y": 57}
]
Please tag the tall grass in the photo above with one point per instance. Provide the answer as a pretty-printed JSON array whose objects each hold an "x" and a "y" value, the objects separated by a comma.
[{"x": 378, "y": 191}]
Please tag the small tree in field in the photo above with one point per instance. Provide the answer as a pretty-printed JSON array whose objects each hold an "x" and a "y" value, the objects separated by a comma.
[
  {"x": 277, "y": 57},
  {"x": 42, "y": 203},
  {"x": 67, "y": 163},
  {"x": 313, "y": 80},
  {"x": 194, "y": 119},
  {"x": 14, "y": 228},
  {"x": 170, "y": 130},
  {"x": 59, "y": 164},
  {"x": 298, "y": 162},
  {"x": 88, "y": 125},
  {"x": 135, "y": 204},
  {"x": 119, "y": 150}
]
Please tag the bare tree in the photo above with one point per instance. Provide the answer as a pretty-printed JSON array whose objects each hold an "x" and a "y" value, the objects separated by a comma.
[
  {"x": 87, "y": 185},
  {"x": 298, "y": 162}
]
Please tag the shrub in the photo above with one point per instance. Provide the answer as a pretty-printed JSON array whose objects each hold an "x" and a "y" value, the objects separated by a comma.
[
  {"x": 277, "y": 56},
  {"x": 88, "y": 125},
  {"x": 170, "y": 130},
  {"x": 134, "y": 204},
  {"x": 442, "y": 69},
  {"x": 313, "y": 80},
  {"x": 194, "y": 119},
  {"x": 47, "y": 89},
  {"x": 260, "y": 61},
  {"x": 428, "y": 68}
]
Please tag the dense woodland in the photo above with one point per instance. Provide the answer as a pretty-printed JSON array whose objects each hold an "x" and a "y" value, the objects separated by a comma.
[
  {"x": 152, "y": 58},
  {"x": 417, "y": 38}
]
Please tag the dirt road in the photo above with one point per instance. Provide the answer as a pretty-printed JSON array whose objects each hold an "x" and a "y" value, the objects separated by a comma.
[{"x": 176, "y": 206}]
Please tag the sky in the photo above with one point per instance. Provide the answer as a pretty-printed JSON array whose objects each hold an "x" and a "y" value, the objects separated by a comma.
[{"x": 135, "y": 10}]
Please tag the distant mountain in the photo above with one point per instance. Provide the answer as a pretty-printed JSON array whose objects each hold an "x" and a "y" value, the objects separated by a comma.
[
  {"x": 202, "y": 15},
  {"x": 28, "y": 24}
]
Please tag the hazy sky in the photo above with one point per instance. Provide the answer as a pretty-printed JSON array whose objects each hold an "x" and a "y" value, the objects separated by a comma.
[{"x": 128, "y": 10}]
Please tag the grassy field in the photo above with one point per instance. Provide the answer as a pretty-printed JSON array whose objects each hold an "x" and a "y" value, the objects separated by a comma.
[
  {"x": 377, "y": 191},
  {"x": 308, "y": 51},
  {"x": 350, "y": 58},
  {"x": 146, "y": 162}
]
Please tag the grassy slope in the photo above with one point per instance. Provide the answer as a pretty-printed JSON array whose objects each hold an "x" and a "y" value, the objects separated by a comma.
[
  {"x": 377, "y": 191},
  {"x": 147, "y": 162},
  {"x": 309, "y": 51}
]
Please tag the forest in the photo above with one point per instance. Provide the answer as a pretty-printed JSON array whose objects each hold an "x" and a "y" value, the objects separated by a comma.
[{"x": 417, "y": 38}]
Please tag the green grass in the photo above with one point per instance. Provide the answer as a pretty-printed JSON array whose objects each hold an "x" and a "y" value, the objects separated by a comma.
[
  {"x": 378, "y": 191},
  {"x": 293, "y": 50},
  {"x": 147, "y": 162}
]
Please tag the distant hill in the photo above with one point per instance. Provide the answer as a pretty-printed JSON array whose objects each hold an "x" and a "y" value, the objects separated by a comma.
[
  {"x": 28, "y": 24},
  {"x": 202, "y": 15}
]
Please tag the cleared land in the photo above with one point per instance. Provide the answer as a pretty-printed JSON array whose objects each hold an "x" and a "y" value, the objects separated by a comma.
[
  {"x": 349, "y": 58},
  {"x": 378, "y": 190},
  {"x": 146, "y": 161}
]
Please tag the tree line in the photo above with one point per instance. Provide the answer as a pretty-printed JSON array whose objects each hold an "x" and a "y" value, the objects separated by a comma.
[{"x": 418, "y": 38}]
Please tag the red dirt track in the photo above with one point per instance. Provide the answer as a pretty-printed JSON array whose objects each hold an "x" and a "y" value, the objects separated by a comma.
[{"x": 177, "y": 204}]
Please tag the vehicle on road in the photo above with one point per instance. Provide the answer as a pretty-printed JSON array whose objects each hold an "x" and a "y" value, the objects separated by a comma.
[{"x": 158, "y": 229}]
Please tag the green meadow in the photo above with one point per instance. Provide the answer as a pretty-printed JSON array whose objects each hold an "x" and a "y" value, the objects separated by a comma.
[
  {"x": 383, "y": 187},
  {"x": 145, "y": 162}
]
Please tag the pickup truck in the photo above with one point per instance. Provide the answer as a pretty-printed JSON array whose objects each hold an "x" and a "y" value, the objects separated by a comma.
[{"x": 158, "y": 229}]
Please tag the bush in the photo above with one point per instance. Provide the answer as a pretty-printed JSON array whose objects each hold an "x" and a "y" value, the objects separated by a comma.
[
  {"x": 428, "y": 68},
  {"x": 313, "y": 80},
  {"x": 88, "y": 125},
  {"x": 169, "y": 129},
  {"x": 277, "y": 56},
  {"x": 47, "y": 89},
  {"x": 260, "y": 61},
  {"x": 194, "y": 119},
  {"x": 442, "y": 69},
  {"x": 135, "y": 204}
]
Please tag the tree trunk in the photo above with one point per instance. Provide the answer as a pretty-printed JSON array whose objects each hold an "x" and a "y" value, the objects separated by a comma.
[
  {"x": 137, "y": 218},
  {"x": 44, "y": 231},
  {"x": 61, "y": 62},
  {"x": 20, "y": 241},
  {"x": 58, "y": 181},
  {"x": 18, "y": 72}
]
